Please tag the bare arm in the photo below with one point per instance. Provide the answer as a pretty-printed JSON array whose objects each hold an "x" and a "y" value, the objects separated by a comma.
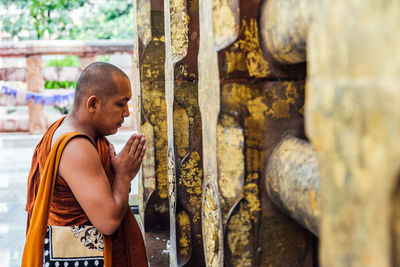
[{"x": 81, "y": 168}]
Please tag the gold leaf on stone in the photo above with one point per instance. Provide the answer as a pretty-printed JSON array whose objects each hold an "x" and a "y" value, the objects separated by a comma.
[
  {"x": 257, "y": 66},
  {"x": 179, "y": 29},
  {"x": 230, "y": 145},
  {"x": 181, "y": 131},
  {"x": 239, "y": 227},
  {"x": 184, "y": 234},
  {"x": 143, "y": 21},
  {"x": 191, "y": 178},
  {"x": 225, "y": 22},
  {"x": 211, "y": 224}
]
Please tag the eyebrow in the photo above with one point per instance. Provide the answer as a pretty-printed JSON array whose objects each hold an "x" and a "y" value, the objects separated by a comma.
[{"x": 125, "y": 98}]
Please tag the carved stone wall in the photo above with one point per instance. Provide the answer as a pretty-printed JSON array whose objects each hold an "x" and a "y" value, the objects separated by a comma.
[
  {"x": 214, "y": 103},
  {"x": 223, "y": 87}
]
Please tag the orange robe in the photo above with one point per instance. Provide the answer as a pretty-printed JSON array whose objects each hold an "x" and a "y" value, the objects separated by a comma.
[{"x": 128, "y": 248}]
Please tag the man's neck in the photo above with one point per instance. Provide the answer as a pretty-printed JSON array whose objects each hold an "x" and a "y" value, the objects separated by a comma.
[{"x": 80, "y": 124}]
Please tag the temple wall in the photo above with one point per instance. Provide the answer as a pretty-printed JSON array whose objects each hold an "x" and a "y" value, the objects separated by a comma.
[{"x": 222, "y": 85}]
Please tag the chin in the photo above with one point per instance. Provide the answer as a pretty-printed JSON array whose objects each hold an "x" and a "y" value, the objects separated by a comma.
[{"x": 111, "y": 132}]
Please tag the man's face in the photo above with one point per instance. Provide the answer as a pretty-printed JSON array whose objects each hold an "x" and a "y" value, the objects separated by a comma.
[{"x": 114, "y": 109}]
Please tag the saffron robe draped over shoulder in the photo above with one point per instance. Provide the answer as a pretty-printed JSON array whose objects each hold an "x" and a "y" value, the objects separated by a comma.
[{"x": 128, "y": 248}]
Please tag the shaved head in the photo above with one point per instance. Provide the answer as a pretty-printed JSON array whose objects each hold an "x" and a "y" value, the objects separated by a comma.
[{"x": 97, "y": 79}]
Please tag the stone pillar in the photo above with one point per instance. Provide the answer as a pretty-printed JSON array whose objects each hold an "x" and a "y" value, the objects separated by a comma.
[
  {"x": 154, "y": 117},
  {"x": 134, "y": 80},
  {"x": 353, "y": 121},
  {"x": 153, "y": 185},
  {"x": 86, "y": 60},
  {"x": 185, "y": 172},
  {"x": 209, "y": 102},
  {"x": 141, "y": 8},
  {"x": 35, "y": 83}
]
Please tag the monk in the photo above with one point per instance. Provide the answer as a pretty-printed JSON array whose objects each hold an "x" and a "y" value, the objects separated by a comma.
[{"x": 93, "y": 183}]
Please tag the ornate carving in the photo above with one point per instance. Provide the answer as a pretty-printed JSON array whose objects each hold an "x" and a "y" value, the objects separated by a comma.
[
  {"x": 171, "y": 181},
  {"x": 211, "y": 224},
  {"x": 172, "y": 204}
]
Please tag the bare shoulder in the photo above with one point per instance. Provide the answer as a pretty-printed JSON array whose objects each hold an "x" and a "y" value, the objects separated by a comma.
[
  {"x": 79, "y": 148},
  {"x": 79, "y": 157}
]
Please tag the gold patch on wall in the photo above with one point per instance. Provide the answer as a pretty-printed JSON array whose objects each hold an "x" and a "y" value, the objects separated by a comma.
[
  {"x": 181, "y": 130},
  {"x": 230, "y": 158}
]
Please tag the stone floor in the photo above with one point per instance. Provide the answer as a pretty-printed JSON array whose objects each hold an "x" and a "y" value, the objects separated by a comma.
[{"x": 15, "y": 155}]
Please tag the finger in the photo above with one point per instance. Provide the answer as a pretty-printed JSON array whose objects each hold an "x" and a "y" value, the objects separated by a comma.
[
  {"x": 142, "y": 154},
  {"x": 134, "y": 145},
  {"x": 140, "y": 147},
  {"x": 129, "y": 143},
  {"x": 112, "y": 151}
]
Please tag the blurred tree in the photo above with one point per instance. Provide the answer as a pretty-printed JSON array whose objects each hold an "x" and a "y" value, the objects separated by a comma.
[
  {"x": 15, "y": 17},
  {"x": 52, "y": 15},
  {"x": 67, "y": 19}
]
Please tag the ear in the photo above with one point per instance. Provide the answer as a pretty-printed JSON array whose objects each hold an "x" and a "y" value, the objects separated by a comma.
[{"x": 92, "y": 103}]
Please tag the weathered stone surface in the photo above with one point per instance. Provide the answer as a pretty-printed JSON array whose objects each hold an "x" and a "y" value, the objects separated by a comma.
[
  {"x": 243, "y": 117},
  {"x": 185, "y": 172},
  {"x": 14, "y": 124},
  {"x": 64, "y": 47},
  {"x": 353, "y": 121},
  {"x": 70, "y": 74},
  {"x": 284, "y": 26},
  {"x": 138, "y": 103},
  {"x": 250, "y": 95},
  {"x": 86, "y": 60},
  {"x": 255, "y": 114},
  {"x": 154, "y": 123},
  {"x": 35, "y": 83},
  {"x": 246, "y": 56},
  {"x": 12, "y": 74},
  {"x": 209, "y": 102},
  {"x": 293, "y": 181}
]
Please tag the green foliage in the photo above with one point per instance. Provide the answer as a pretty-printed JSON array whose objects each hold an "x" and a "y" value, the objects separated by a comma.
[
  {"x": 67, "y": 61},
  {"x": 51, "y": 15},
  {"x": 103, "y": 58},
  {"x": 18, "y": 20},
  {"x": 15, "y": 24},
  {"x": 110, "y": 20},
  {"x": 59, "y": 85},
  {"x": 69, "y": 19}
]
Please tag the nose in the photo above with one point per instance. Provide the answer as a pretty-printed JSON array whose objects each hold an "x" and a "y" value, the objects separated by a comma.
[{"x": 126, "y": 111}]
